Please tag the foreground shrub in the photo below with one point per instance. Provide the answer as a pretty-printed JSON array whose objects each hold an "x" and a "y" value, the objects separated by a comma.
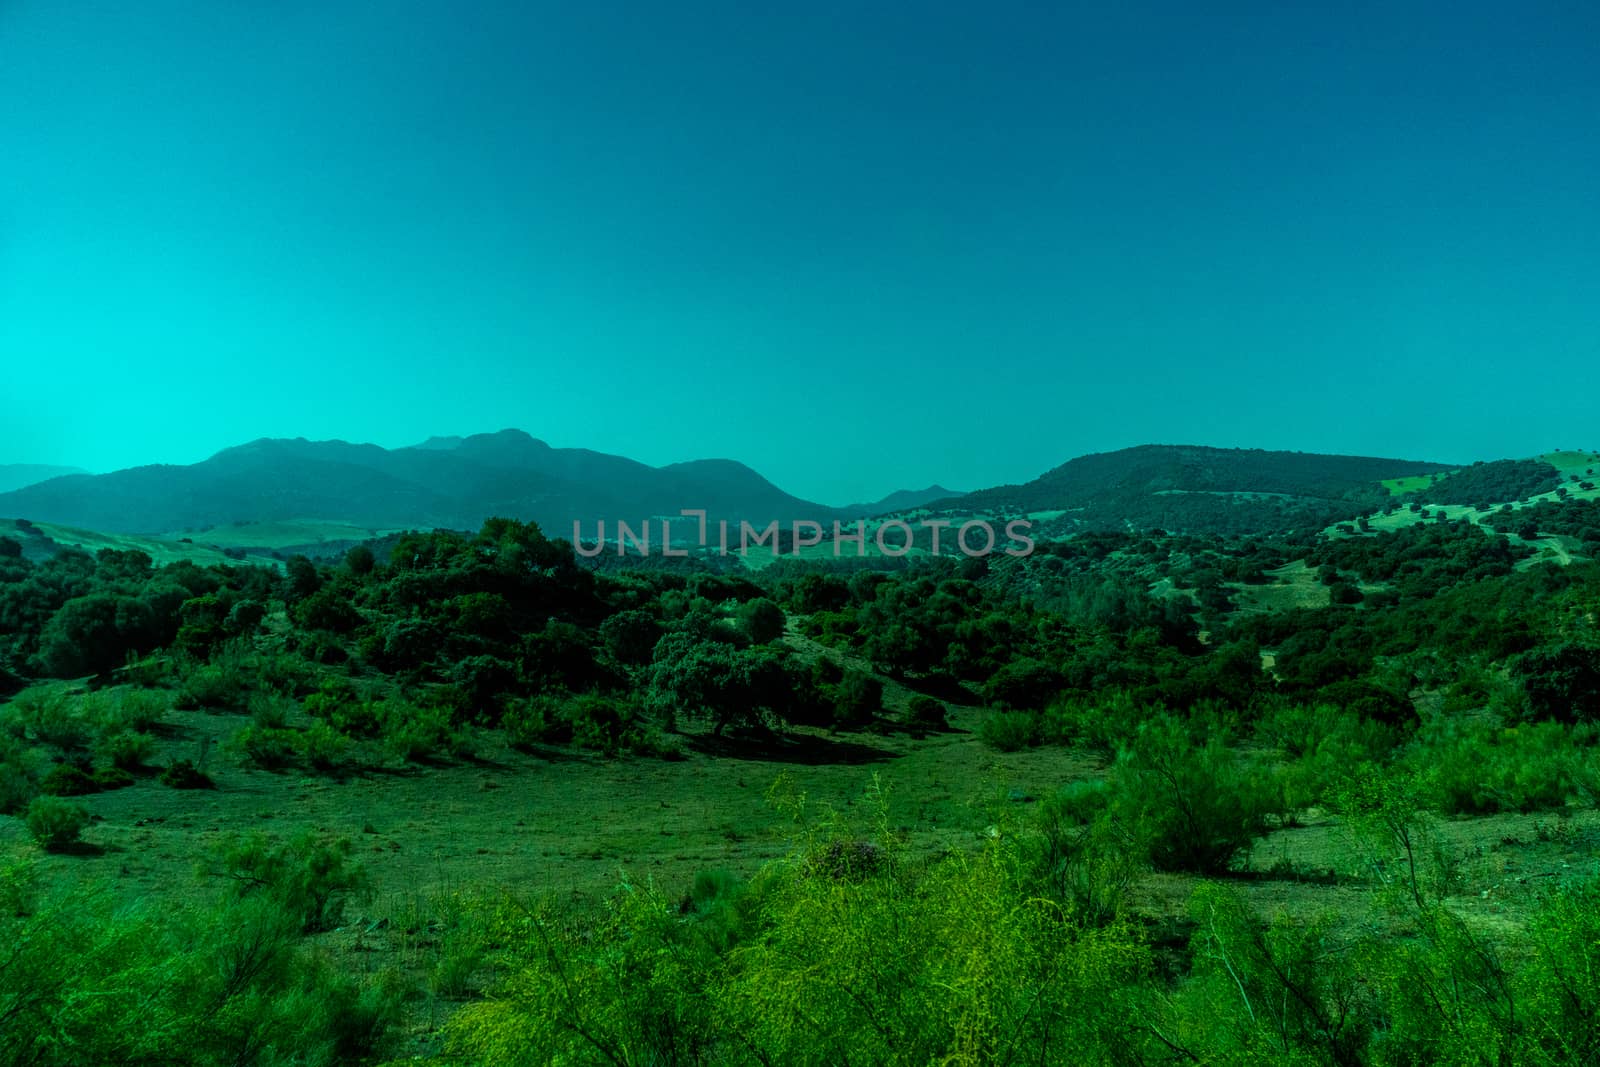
[
  {"x": 307, "y": 878},
  {"x": 55, "y": 823},
  {"x": 1473, "y": 767},
  {"x": 211, "y": 686},
  {"x": 956, "y": 963},
  {"x": 926, "y": 713},
  {"x": 49, "y": 717},
  {"x": 268, "y": 748},
  {"x": 419, "y": 733},
  {"x": 183, "y": 774},
  {"x": 128, "y": 750},
  {"x": 1195, "y": 806},
  {"x": 90, "y": 978},
  {"x": 1011, "y": 731}
]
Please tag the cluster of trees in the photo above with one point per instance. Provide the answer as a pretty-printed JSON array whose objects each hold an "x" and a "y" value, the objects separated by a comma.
[
  {"x": 1421, "y": 561},
  {"x": 1578, "y": 519},
  {"x": 1497, "y": 480},
  {"x": 77, "y": 614}
]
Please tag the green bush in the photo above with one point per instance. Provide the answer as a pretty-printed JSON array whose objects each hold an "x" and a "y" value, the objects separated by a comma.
[
  {"x": 55, "y": 824},
  {"x": 18, "y": 780},
  {"x": 269, "y": 710},
  {"x": 93, "y": 978},
  {"x": 1011, "y": 731},
  {"x": 183, "y": 774},
  {"x": 310, "y": 879},
  {"x": 538, "y": 720},
  {"x": 68, "y": 780},
  {"x": 324, "y": 748},
  {"x": 127, "y": 749},
  {"x": 1473, "y": 767},
  {"x": 420, "y": 733},
  {"x": 211, "y": 686},
  {"x": 925, "y": 713},
  {"x": 1195, "y": 806},
  {"x": 50, "y": 717},
  {"x": 268, "y": 748},
  {"x": 761, "y": 620}
]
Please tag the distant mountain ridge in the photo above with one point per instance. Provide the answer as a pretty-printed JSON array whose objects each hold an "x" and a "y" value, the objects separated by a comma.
[
  {"x": 905, "y": 500},
  {"x": 457, "y": 482},
  {"x": 444, "y": 482},
  {"x": 21, "y": 475}
]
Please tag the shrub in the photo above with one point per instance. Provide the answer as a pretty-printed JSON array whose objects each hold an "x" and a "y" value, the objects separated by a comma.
[
  {"x": 857, "y": 699},
  {"x": 324, "y": 748},
  {"x": 1010, "y": 731},
  {"x": 1473, "y": 767},
  {"x": 308, "y": 878},
  {"x": 926, "y": 713},
  {"x": 211, "y": 686},
  {"x": 1023, "y": 685},
  {"x": 18, "y": 782},
  {"x": 1105, "y": 722},
  {"x": 761, "y": 620},
  {"x": 1196, "y": 808},
  {"x": 269, "y": 710},
  {"x": 539, "y": 720},
  {"x": 600, "y": 723},
  {"x": 419, "y": 733},
  {"x": 630, "y": 636},
  {"x": 127, "y": 749},
  {"x": 183, "y": 774},
  {"x": 50, "y": 717},
  {"x": 1083, "y": 858},
  {"x": 55, "y": 823},
  {"x": 284, "y": 672},
  {"x": 270, "y": 748},
  {"x": 68, "y": 780}
]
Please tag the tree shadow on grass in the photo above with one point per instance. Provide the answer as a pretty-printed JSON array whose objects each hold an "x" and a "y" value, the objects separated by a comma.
[
  {"x": 804, "y": 749},
  {"x": 941, "y": 687}
]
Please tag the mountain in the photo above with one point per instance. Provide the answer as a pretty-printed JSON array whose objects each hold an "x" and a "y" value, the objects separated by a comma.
[
  {"x": 445, "y": 482},
  {"x": 21, "y": 475},
  {"x": 904, "y": 500},
  {"x": 1197, "y": 489}
]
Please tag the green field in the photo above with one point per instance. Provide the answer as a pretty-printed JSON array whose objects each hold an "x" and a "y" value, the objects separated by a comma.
[
  {"x": 1411, "y": 484},
  {"x": 161, "y": 550}
]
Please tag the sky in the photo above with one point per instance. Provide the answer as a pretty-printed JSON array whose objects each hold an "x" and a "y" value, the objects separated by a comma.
[{"x": 858, "y": 246}]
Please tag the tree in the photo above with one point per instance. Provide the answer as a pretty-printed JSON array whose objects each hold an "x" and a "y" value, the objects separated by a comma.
[
  {"x": 630, "y": 636},
  {"x": 762, "y": 620},
  {"x": 360, "y": 561},
  {"x": 95, "y": 633}
]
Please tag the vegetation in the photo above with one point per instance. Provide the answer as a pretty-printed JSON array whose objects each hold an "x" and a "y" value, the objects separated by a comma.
[{"x": 1227, "y": 828}]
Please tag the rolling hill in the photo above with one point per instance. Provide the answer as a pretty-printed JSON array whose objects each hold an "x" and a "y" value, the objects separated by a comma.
[{"x": 1197, "y": 489}]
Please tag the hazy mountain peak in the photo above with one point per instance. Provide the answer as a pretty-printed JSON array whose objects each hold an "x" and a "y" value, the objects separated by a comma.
[{"x": 440, "y": 444}]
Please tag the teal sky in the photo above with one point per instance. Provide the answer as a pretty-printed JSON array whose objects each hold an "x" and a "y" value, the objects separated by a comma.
[{"x": 858, "y": 246}]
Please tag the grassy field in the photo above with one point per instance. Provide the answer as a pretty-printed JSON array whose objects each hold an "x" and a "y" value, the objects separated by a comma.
[
  {"x": 1411, "y": 484},
  {"x": 294, "y": 533},
  {"x": 162, "y": 550},
  {"x": 572, "y": 829}
]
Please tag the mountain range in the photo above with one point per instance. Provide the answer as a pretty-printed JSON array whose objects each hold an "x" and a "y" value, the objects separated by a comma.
[
  {"x": 452, "y": 482},
  {"x": 457, "y": 482}
]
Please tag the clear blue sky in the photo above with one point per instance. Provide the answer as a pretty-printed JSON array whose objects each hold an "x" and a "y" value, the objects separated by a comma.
[{"x": 859, "y": 246}]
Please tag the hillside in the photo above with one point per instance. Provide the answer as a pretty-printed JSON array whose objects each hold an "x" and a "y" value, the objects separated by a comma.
[
  {"x": 1200, "y": 490},
  {"x": 20, "y": 475}
]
